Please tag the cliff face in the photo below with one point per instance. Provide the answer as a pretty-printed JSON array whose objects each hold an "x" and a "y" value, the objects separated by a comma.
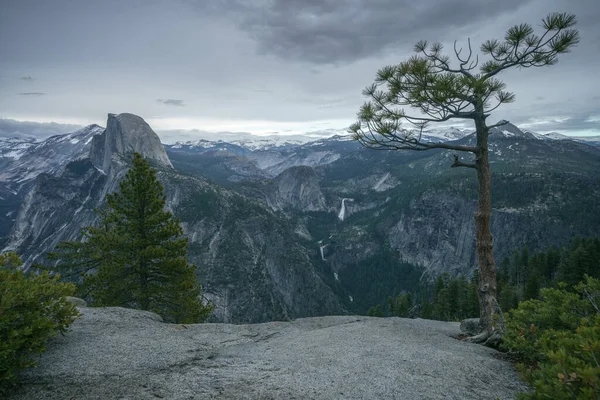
[
  {"x": 414, "y": 205},
  {"x": 21, "y": 161},
  {"x": 61, "y": 200},
  {"x": 437, "y": 231},
  {"x": 297, "y": 188},
  {"x": 55, "y": 209},
  {"x": 125, "y": 134},
  {"x": 327, "y": 235},
  {"x": 250, "y": 262}
]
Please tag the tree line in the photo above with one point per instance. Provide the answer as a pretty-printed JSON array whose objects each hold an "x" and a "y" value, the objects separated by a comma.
[{"x": 520, "y": 277}]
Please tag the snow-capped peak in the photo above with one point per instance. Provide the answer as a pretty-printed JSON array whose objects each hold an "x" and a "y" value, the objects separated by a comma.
[
  {"x": 201, "y": 143},
  {"x": 268, "y": 142},
  {"x": 27, "y": 158},
  {"x": 445, "y": 134},
  {"x": 509, "y": 130},
  {"x": 549, "y": 136},
  {"x": 251, "y": 142}
]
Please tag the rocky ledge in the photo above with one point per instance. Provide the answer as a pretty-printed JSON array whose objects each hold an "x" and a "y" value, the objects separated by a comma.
[{"x": 117, "y": 353}]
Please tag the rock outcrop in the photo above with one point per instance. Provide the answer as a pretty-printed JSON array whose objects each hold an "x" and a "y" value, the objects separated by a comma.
[
  {"x": 116, "y": 353},
  {"x": 76, "y": 301},
  {"x": 125, "y": 134},
  {"x": 61, "y": 201},
  {"x": 250, "y": 262},
  {"x": 297, "y": 188},
  {"x": 322, "y": 254},
  {"x": 56, "y": 208}
]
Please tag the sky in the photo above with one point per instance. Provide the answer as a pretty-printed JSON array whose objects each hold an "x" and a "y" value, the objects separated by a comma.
[{"x": 266, "y": 66}]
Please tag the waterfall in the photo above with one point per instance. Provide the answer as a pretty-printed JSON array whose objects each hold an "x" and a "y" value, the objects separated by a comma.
[
  {"x": 321, "y": 248},
  {"x": 342, "y": 213}
]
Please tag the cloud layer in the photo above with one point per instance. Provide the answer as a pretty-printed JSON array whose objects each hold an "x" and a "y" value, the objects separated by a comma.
[
  {"x": 244, "y": 64},
  {"x": 12, "y": 128}
]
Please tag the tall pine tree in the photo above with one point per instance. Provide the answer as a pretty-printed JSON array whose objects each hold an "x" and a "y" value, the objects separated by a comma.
[{"x": 136, "y": 256}]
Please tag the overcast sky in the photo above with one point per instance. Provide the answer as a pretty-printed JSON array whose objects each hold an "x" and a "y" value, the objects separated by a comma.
[{"x": 263, "y": 66}]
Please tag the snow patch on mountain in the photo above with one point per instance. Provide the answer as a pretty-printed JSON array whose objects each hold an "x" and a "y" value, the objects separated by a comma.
[
  {"x": 548, "y": 135},
  {"x": 24, "y": 159},
  {"x": 444, "y": 134},
  {"x": 15, "y": 147},
  {"x": 254, "y": 143}
]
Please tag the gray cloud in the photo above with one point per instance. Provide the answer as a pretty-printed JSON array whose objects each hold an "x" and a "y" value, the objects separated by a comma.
[
  {"x": 40, "y": 130},
  {"x": 32, "y": 94},
  {"x": 265, "y": 65},
  {"x": 27, "y": 78},
  {"x": 171, "y": 102},
  {"x": 570, "y": 123},
  {"x": 333, "y": 31}
]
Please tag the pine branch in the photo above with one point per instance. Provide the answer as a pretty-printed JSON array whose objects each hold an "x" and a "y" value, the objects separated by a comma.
[{"x": 377, "y": 141}]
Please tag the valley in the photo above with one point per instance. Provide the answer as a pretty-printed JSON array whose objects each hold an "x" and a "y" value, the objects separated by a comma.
[{"x": 286, "y": 230}]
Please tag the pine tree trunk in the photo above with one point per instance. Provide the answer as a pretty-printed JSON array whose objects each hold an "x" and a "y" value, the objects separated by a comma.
[{"x": 491, "y": 317}]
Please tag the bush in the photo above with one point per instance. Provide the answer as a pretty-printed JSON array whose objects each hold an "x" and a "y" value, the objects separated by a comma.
[
  {"x": 376, "y": 311},
  {"x": 558, "y": 342},
  {"x": 33, "y": 309}
]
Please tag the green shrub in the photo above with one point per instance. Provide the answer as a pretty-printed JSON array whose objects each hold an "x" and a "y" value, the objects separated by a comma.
[
  {"x": 33, "y": 309},
  {"x": 375, "y": 311},
  {"x": 557, "y": 340}
]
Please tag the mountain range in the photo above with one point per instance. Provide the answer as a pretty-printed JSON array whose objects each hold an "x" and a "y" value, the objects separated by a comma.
[{"x": 286, "y": 229}]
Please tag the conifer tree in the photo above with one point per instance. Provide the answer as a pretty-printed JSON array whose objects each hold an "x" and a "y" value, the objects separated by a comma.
[
  {"x": 435, "y": 91},
  {"x": 136, "y": 256}
]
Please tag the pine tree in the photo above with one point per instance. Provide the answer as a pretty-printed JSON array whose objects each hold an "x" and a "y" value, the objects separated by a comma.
[
  {"x": 577, "y": 265},
  {"x": 437, "y": 90},
  {"x": 400, "y": 305},
  {"x": 136, "y": 256},
  {"x": 532, "y": 287}
]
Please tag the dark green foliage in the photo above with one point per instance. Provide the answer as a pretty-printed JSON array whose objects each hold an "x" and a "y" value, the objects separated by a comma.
[
  {"x": 519, "y": 278},
  {"x": 557, "y": 340},
  {"x": 370, "y": 281},
  {"x": 375, "y": 311},
  {"x": 453, "y": 299},
  {"x": 448, "y": 299},
  {"x": 201, "y": 203},
  {"x": 508, "y": 298},
  {"x": 33, "y": 309},
  {"x": 523, "y": 275},
  {"x": 136, "y": 256},
  {"x": 580, "y": 261},
  {"x": 532, "y": 287},
  {"x": 401, "y": 305}
]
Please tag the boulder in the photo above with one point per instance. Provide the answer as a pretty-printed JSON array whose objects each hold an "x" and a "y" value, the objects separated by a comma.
[{"x": 77, "y": 301}]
